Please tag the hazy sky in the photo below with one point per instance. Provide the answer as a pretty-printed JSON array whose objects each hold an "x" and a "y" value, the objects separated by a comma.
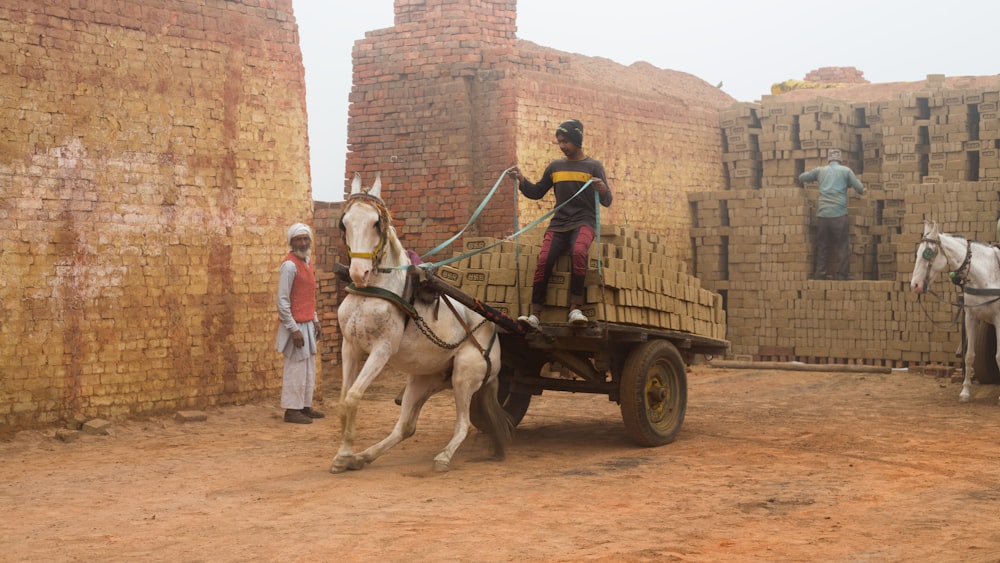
[{"x": 746, "y": 45}]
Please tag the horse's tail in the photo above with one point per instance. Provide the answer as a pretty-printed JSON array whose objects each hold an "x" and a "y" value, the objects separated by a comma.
[{"x": 488, "y": 416}]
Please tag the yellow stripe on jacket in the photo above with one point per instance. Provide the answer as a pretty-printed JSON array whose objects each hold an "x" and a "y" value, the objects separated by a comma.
[{"x": 570, "y": 176}]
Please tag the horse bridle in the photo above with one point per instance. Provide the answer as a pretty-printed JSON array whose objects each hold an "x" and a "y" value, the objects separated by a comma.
[
  {"x": 929, "y": 254},
  {"x": 382, "y": 225},
  {"x": 957, "y": 276}
]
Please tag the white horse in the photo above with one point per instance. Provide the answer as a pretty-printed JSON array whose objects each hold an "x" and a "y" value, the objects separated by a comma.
[
  {"x": 437, "y": 346},
  {"x": 976, "y": 266}
]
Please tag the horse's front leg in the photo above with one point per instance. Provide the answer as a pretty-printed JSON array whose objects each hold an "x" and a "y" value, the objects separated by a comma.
[
  {"x": 971, "y": 324},
  {"x": 352, "y": 362},
  {"x": 350, "y": 400}
]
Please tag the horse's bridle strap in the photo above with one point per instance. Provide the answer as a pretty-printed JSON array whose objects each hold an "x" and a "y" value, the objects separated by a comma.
[{"x": 384, "y": 218}]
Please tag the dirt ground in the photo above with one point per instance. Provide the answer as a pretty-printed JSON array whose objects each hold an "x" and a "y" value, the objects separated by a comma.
[{"x": 769, "y": 465}]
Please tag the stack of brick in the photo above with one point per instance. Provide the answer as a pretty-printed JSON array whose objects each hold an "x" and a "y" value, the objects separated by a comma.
[
  {"x": 631, "y": 280},
  {"x": 741, "y": 150},
  {"x": 931, "y": 153},
  {"x": 837, "y": 75}
]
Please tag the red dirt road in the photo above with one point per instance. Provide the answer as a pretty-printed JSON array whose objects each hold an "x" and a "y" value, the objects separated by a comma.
[{"x": 769, "y": 465}]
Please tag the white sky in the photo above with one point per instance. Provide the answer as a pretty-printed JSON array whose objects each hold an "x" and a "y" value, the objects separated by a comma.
[{"x": 747, "y": 45}]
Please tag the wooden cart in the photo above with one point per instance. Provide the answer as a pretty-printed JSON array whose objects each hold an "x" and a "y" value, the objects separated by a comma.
[{"x": 640, "y": 368}]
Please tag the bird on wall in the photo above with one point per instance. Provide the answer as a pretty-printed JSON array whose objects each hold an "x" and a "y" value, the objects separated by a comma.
[{"x": 719, "y": 85}]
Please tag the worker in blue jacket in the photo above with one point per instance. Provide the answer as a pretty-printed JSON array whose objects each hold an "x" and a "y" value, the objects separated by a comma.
[{"x": 833, "y": 225}]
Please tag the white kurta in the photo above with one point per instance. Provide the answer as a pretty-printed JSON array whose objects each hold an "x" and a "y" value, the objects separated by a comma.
[{"x": 299, "y": 375}]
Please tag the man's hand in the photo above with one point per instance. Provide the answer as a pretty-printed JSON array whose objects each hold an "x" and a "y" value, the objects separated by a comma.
[
  {"x": 599, "y": 185},
  {"x": 298, "y": 339},
  {"x": 516, "y": 173}
]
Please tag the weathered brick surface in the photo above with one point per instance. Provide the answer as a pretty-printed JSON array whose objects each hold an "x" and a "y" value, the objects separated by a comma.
[
  {"x": 656, "y": 148},
  {"x": 447, "y": 99},
  {"x": 924, "y": 150},
  {"x": 152, "y": 156},
  {"x": 326, "y": 252},
  {"x": 836, "y": 75}
]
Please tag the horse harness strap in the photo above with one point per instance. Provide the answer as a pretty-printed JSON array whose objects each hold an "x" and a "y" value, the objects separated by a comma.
[
  {"x": 484, "y": 351},
  {"x": 387, "y": 295},
  {"x": 411, "y": 313},
  {"x": 958, "y": 276},
  {"x": 983, "y": 292}
]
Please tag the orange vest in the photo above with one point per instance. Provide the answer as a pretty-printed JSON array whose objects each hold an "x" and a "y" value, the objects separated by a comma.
[{"x": 303, "y": 295}]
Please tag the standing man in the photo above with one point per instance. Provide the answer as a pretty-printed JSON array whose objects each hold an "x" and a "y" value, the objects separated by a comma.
[
  {"x": 298, "y": 327},
  {"x": 572, "y": 228},
  {"x": 834, "y": 227}
]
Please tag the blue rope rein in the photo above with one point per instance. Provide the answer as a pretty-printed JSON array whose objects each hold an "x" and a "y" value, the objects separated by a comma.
[{"x": 527, "y": 227}]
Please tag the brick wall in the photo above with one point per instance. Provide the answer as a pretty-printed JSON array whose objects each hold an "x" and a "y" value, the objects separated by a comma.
[
  {"x": 448, "y": 98},
  {"x": 327, "y": 251},
  {"x": 152, "y": 157},
  {"x": 655, "y": 131},
  {"x": 428, "y": 112}
]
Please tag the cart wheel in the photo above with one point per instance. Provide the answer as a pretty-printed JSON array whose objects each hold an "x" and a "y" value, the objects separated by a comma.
[
  {"x": 516, "y": 404},
  {"x": 653, "y": 393},
  {"x": 986, "y": 354}
]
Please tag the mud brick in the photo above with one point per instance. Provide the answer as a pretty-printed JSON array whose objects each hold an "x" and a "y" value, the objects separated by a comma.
[
  {"x": 559, "y": 280},
  {"x": 505, "y": 276},
  {"x": 557, "y": 296},
  {"x": 475, "y": 278},
  {"x": 496, "y": 293},
  {"x": 593, "y": 294},
  {"x": 451, "y": 275},
  {"x": 472, "y": 244},
  {"x": 600, "y": 312},
  {"x": 554, "y": 314}
]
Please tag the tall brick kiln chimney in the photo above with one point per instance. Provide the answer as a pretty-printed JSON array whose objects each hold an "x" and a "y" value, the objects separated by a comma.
[{"x": 493, "y": 19}]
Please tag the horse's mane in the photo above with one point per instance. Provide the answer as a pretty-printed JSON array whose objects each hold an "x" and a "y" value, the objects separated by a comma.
[
  {"x": 973, "y": 241},
  {"x": 395, "y": 246}
]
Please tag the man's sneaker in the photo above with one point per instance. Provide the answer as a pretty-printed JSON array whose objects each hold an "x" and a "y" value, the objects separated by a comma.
[
  {"x": 530, "y": 320},
  {"x": 296, "y": 417},
  {"x": 577, "y": 318},
  {"x": 312, "y": 413}
]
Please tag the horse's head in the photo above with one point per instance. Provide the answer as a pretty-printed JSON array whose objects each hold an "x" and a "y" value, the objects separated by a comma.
[
  {"x": 366, "y": 227},
  {"x": 930, "y": 259}
]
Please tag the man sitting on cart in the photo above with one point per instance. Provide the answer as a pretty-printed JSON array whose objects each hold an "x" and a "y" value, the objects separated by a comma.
[{"x": 572, "y": 228}]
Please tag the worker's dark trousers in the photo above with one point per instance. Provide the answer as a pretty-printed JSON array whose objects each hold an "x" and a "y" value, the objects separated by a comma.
[{"x": 833, "y": 241}]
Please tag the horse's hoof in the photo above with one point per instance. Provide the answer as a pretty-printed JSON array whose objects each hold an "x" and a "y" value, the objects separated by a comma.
[
  {"x": 441, "y": 467},
  {"x": 963, "y": 398},
  {"x": 343, "y": 463}
]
